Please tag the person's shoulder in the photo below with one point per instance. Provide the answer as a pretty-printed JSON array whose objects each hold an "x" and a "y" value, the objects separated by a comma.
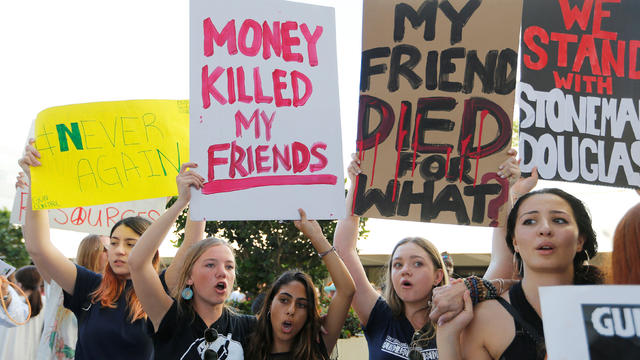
[{"x": 485, "y": 311}]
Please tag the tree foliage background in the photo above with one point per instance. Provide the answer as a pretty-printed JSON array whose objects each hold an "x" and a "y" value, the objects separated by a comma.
[
  {"x": 265, "y": 249},
  {"x": 12, "y": 248}
]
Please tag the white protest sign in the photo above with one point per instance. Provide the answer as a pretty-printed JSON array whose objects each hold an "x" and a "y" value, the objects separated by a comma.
[
  {"x": 264, "y": 111},
  {"x": 96, "y": 219},
  {"x": 591, "y": 322}
]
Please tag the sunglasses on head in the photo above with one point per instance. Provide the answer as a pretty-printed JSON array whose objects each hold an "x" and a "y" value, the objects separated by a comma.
[{"x": 210, "y": 335}]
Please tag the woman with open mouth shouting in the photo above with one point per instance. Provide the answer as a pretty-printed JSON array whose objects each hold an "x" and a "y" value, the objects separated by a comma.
[
  {"x": 395, "y": 324},
  {"x": 550, "y": 235},
  {"x": 193, "y": 321},
  {"x": 289, "y": 320}
]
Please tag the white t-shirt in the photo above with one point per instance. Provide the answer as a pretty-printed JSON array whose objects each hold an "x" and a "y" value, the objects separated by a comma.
[
  {"x": 20, "y": 342},
  {"x": 18, "y": 310},
  {"x": 60, "y": 331}
]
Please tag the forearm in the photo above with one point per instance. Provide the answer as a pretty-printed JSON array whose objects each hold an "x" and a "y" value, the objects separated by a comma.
[
  {"x": 36, "y": 230},
  {"x": 193, "y": 232},
  {"x": 48, "y": 259},
  {"x": 448, "y": 346},
  {"x": 146, "y": 247}
]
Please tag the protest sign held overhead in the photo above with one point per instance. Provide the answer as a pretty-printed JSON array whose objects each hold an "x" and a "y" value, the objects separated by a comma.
[
  {"x": 97, "y": 219},
  {"x": 436, "y": 98},
  {"x": 580, "y": 90},
  {"x": 101, "y": 153},
  {"x": 604, "y": 321},
  {"x": 265, "y": 122}
]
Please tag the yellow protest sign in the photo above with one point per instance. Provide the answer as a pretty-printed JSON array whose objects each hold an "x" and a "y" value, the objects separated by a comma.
[{"x": 99, "y": 153}]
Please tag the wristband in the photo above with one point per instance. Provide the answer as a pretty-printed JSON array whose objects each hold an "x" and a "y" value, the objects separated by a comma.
[{"x": 325, "y": 253}]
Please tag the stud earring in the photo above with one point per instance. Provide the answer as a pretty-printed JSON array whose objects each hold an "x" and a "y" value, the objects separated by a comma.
[{"x": 187, "y": 293}]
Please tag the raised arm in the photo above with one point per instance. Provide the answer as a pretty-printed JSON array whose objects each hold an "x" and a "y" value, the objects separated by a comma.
[
  {"x": 37, "y": 238},
  {"x": 22, "y": 183},
  {"x": 344, "y": 240},
  {"x": 345, "y": 288},
  {"x": 501, "y": 265},
  {"x": 193, "y": 232},
  {"x": 155, "y": 301}
]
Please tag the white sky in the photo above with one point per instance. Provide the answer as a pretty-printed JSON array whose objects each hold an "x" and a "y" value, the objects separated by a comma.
[{"x": 65, "y": 52}]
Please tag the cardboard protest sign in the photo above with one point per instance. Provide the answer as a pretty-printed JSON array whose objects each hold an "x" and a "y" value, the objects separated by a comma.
[
  {"x": 100, "y": 153},
  {"x": 98, "y": 219},
  {"x": 436, "y": 97},
  {"x": 265, "y": 123},
  {"x": 591, "y": 322},
  {"x": 580, "y": 90}
]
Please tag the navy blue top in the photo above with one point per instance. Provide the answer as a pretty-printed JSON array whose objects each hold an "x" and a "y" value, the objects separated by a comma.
[
  {"x": 389, "y": 338},
  {"x": 105, "y": 333}
]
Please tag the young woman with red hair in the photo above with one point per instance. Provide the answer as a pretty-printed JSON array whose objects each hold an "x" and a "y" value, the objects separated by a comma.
[
  {"x": 111, "y": 320},
  {"x": 625, "y": 258}
]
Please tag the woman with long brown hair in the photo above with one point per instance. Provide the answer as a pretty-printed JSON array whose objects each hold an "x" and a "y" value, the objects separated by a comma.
[
  {"x": 550, "y": 235},
  {"x": 289, "y": 320}
]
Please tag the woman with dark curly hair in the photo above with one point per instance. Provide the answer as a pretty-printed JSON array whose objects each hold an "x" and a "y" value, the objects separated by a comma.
[{"x": 550, "y": 235}]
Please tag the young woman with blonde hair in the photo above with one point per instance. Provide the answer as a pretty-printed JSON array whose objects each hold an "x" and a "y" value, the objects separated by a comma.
[
  {"x": 193, "y": 322},
  {"x": 395, "y": 324}
]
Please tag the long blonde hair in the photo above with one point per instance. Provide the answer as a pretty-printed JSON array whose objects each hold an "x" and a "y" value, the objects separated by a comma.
[
  {"x": 89, "y": 251},
  {"x": 391, "y": 296},
  {"x": 193, "y": 254}
]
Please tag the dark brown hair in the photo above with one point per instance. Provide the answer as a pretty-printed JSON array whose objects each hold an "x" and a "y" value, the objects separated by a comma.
[
  {"x": 304, "y": 345},
  {"x": 582, "y": 273},
  {"x": 30, "y": 279}
]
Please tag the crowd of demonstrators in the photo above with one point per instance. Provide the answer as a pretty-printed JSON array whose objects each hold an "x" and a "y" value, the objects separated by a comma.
[
  {"x": 192, "y": 320},
  {"x": 125, "y": 309},
  {"x": 21, "y": 342}
]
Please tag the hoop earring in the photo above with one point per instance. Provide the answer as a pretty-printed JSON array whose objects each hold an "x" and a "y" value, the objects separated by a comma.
[
  {"x": 517, "y": 268},
  {"x": 187, "y": 293},
  {"x": 587, "y": 255}
]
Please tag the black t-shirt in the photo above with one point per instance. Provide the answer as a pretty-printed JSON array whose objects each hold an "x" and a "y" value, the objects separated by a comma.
[
  {"x": 180, "y": 337},
  {"x": 105, "y": 333},
  {"x": 389, "y": 338},
  {"x": 288, "y": 356}
]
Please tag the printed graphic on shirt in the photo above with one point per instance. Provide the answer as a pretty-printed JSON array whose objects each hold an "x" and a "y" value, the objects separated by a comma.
[
  {"x": 225, "y": 348},
  {"x": 400, "y": 349}
]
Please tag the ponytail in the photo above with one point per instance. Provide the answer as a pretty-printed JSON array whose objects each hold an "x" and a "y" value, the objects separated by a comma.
[{"x": 30, "y": 280}]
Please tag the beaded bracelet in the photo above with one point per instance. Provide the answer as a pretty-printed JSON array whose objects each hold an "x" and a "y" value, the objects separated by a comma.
[{"x": 481, "y": 289}]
